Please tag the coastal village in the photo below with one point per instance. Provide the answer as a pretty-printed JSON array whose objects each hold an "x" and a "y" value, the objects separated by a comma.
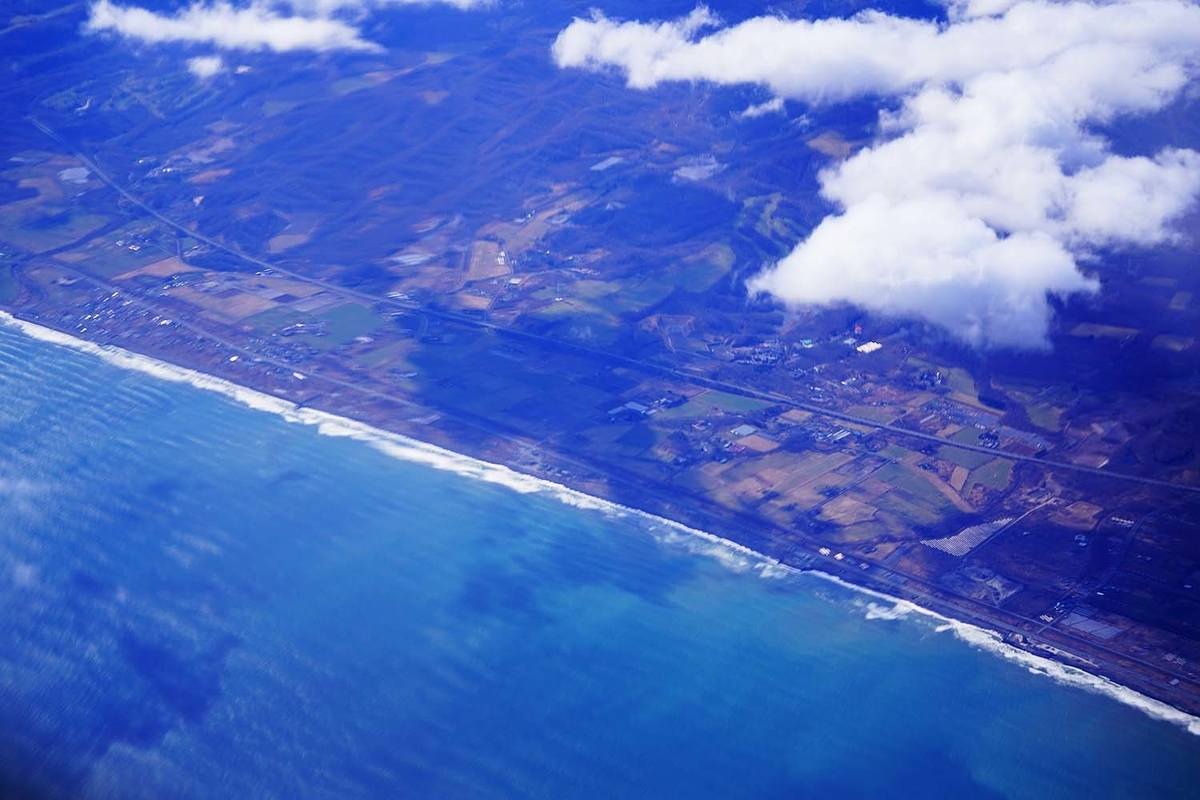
[{"x": 820, "y": 437}]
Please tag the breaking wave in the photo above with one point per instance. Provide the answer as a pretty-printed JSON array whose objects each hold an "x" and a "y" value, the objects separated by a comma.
[
  {"x": 891, "y": 608},
  {"x": 900, "y": 610},
  {"x": 730, "y": 554}
]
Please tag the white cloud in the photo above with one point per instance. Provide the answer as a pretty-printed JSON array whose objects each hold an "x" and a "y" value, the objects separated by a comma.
[
  {"x": 330, "y": 7},
  {"x": 278, "y": 25},
  {"x": 205, "y": 66},
  {"x": 772, "y": 106},
  {"x": 256, "y": 26},
  {"x": 986, "y": 187}
]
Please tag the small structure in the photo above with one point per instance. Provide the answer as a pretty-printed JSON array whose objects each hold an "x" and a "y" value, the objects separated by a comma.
[{"x": 628, "y": 412}]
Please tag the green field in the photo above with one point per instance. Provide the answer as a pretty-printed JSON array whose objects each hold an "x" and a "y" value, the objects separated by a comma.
[
  {"x": 959, "y": 380},
  {"x": 734, "y": 404},
  {"x": 1044, "y": 415},
  {"x": 702, "y": 404},
  {"x": 635, "y": 297},
  {"x": 964, "y": 458},
  {"x": 277, "y": 318},
  {"x": 995, "y": 474},
  {"x": 593, "y": 290},
  {"x": 898, "y": 503},
  {"x": 342, "y": 324},
  {"x": 54, "y": 231},
  {"x": 700, "y": 274},
  {"x": 381, "y": 355},
  {"x": 638, "y": 439},
  {"x": 912, "y": 483},
  {"x": 109, "y": 261},
  {"x": 345, "y": 322}
]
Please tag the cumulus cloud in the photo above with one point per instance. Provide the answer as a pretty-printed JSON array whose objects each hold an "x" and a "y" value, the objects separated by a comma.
[
  {"x": 277, "y": 25},
  {"x": 329, "y": 7},
  {"x": 772, "y": 106},
  {"x": 205, "y": 66},
  {"x": 256, "y": 26},
  {"x": 988, "y": 185}
]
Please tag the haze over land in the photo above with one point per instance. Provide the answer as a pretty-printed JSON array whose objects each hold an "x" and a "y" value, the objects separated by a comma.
[
  {"x": 992, "y": 183},
  {"x": 907, "y": 296}
]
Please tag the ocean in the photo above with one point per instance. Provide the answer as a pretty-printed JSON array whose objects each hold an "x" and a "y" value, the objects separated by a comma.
[{"x": 208, "y": 594}]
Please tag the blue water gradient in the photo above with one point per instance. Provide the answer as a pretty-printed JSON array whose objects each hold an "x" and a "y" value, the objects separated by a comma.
[{"x": 202, "y": 600}]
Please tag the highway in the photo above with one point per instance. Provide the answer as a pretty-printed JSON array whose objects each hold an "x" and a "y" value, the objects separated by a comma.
[
  {"x": 599, "y": 356},
  {"x": 927, "y": 592}
]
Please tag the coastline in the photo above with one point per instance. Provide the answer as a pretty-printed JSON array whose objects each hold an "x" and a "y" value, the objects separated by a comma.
[{"x": 730, "y": 553}]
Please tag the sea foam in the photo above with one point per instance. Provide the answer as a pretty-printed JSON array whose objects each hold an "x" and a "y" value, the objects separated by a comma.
[
  {"x": 992, "y": 642},
  {"x": 414, "y": 451},
  {"x": 732, "y": 555}
]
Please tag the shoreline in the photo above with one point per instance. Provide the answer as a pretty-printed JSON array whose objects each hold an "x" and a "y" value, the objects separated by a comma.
[{"x": 729, "y": 553}]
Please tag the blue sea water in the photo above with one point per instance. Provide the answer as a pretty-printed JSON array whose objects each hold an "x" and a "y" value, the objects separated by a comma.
[{"x": 204, "y": 600}]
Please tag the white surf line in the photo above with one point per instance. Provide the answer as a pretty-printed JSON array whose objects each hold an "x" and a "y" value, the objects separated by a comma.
[
  {"x": 408, "y": 449},
  {"x": 992, "y": 642},
  {"x": 731, "y": 554}
]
